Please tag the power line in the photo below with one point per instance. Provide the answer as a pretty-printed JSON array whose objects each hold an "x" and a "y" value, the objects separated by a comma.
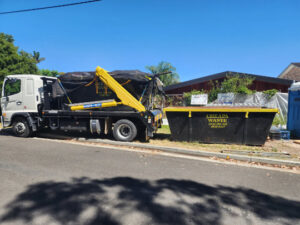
[{"x": 49, "y": 7}]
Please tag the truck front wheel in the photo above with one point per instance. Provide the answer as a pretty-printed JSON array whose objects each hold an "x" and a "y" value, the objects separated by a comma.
[
  {"x": 21, "y": 128},
  {"x": 124, "y": 130}
]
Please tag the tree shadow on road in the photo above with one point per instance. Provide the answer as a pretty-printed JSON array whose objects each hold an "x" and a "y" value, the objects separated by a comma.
[{"x": 124, "y": 200}]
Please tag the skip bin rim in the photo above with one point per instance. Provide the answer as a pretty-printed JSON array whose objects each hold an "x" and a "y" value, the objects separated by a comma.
[{"x": 226, "y": 109}]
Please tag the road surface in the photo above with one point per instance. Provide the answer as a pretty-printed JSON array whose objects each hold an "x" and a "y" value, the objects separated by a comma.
[{"x": 49, "y": 182}]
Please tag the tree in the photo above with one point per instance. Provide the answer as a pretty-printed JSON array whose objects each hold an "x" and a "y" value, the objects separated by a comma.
[
  {"x": 167, "y": 79},
  {"x": 37, "y": 58},
  {"x": 49, "y": 73},
  {"x": 13, "y": 61}
]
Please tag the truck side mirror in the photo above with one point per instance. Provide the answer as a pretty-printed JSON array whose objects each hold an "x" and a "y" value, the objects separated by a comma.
[{"x": 7, "y": 98}]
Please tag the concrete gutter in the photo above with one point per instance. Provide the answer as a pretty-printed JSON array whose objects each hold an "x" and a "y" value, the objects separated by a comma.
[{"x": 194, "y": 152}]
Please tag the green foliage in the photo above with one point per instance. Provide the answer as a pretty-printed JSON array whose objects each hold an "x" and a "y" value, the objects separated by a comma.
[
  {"x": 278, "y": 120},
  {"x": 49, "y": 73},
  {"x": 174, "y": 101},
  {"x": 187, "y": 96},
  {"x": 13, "y": 61},
  {"x": 12, "y": 87},
  {"x": 158, "y": 101},
  {"x": 270, "y": 93},
  {"x": 214, "y": 90},
  {"x": 235, "y": 84},
  {"x": 167, "y": 79},
  {"x": 36, "y": 56}
]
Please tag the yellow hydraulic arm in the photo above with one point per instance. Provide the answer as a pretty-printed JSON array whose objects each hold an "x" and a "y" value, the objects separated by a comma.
[
  {"x": 125, "y": 97},
  {"x": 94, "y": 105}
]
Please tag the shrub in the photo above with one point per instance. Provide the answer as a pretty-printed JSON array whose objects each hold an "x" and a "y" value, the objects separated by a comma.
[
  {"x": 270, "y": 93},
  {"x": 278, "y": 120},
  {"x": 236, "y": 84}
]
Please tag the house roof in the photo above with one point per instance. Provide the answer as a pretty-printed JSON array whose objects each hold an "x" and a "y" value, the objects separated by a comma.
[
  {"x": 223, "y": 74},
  {"x": 296, "y": 64},
  {"x": 289, "y": 72}
]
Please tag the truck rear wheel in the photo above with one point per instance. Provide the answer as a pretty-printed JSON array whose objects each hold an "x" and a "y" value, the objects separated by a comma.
[
  {"x": 21, "y": 128},
  {"x": 124, "y": 130}
]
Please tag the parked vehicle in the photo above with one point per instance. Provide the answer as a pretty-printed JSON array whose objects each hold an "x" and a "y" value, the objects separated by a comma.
[{"x": 32, "y": 102}]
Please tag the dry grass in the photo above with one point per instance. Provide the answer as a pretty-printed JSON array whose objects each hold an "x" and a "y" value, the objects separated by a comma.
[
  {"x": 166, "y": 141},
  {"x": 165, "y": 129},
  {"x": 163, "y": 138}
]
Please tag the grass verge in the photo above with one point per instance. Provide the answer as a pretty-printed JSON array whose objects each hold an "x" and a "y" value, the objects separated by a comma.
[{"x": 163, "y": 138}]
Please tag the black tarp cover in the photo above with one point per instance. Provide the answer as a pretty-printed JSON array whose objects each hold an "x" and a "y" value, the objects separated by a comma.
[{"x": 74, "y": 84}]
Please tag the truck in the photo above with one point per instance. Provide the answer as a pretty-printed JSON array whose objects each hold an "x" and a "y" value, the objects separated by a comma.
[{"x": 101, "y": 102}]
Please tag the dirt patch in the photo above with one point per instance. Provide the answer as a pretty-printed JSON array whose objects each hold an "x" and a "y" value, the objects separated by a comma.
[
  {"x": 275, "y": 147},
  {"x": 283, "y": 146}
]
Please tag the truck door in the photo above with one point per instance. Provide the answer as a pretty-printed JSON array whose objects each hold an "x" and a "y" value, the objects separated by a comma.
[
  {"x": 29, "y": 98},
  {"x": 12, "y": 99}
]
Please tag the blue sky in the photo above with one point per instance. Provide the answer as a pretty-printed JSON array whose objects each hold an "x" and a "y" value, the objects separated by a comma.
[{"x": 199, "y": 37}]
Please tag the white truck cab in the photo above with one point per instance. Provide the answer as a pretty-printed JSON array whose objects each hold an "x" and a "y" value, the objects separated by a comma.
[{"x": 20, "y": 94}]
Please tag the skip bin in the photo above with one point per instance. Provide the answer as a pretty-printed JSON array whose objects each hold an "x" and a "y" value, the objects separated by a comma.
[
  {"x": 230, "y": 125},
  {"x": 293, "y": 120}
]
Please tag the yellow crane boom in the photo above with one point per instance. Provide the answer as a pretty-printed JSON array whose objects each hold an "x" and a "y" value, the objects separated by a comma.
[{"x": 125, "y": 97}]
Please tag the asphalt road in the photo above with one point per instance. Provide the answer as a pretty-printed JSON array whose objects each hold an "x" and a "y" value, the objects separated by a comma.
[{"x": 47, "y": 182}]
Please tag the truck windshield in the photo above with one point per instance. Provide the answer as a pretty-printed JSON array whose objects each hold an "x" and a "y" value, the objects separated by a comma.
[{"x": 12, "y": 87}]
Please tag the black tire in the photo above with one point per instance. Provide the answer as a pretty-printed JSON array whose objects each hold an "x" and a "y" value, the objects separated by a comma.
[
  {"x": 124, "y": 130},
  {"x": 21, "y": 128}
]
